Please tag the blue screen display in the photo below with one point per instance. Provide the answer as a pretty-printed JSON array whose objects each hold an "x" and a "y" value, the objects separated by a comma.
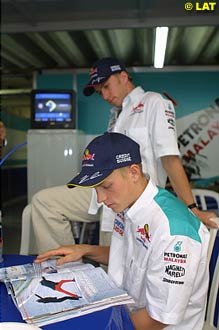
[
  {"x": 53, "y": 109},
  {"x": 53, "y": 106}
]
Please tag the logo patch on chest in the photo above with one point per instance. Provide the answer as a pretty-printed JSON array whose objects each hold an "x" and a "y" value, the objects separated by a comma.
[
  {"x": 138, "y": 109},
  {"x": 119, "y": 224},
  {"x": 143, "y": 235}
]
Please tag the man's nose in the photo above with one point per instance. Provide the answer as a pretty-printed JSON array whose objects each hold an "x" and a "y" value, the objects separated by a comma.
[
  {"x": 101, "y": 196},
  {"x": 105, "y": 95}
]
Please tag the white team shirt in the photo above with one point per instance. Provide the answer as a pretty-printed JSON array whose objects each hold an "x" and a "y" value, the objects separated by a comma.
[
  {"x": 158, "y": 253},
  {"x": 148, "y": 119}
]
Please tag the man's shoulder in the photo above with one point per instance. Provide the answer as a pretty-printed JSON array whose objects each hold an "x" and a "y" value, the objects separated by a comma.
[
  {"x": 180, "y": 219},
  {"x": 153, "y": 95}
]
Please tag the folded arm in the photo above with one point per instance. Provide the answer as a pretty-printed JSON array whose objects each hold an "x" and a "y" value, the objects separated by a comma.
[
  {"x": 181, "y": 186},
  {"x": 142, "y": 321}
]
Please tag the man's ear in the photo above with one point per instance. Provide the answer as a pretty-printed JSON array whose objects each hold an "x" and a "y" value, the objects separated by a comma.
[
  {"x": 135, "y": 172},
  {"x": 124, "y": 76}
]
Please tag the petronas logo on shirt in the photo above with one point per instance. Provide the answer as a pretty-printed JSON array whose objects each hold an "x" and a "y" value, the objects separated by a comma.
[{"x": 177, "y": 246}]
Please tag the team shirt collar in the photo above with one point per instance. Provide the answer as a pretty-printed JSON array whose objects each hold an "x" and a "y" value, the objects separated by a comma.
[
  {"x": 144, "y": 200},
  {"x": 134, "y": 96}
]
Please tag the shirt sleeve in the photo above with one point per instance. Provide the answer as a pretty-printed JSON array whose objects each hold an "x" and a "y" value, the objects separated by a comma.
[
  {"x": 163, "y": 127},
  {"x": 172, "y": 270}
]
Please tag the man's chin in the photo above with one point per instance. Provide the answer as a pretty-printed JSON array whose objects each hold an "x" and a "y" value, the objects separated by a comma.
[
  {"x": 115, "y": 104},
  {"x": 116, "y": 209}
]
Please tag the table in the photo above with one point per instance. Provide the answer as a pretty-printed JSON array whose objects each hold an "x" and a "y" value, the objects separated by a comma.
[{"x": 113, "y": 318}]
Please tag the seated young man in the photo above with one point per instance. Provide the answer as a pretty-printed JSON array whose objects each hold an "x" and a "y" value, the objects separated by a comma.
[{"x": 158, "y": 251}]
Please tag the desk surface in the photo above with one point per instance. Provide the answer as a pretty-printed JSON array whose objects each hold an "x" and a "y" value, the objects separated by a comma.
[{"x": 114, "y": 318}]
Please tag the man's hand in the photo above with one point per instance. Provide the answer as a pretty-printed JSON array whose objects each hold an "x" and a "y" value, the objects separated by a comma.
[
  {"x": 66, "y": 253},
  {"x": 205, "y": 217}
]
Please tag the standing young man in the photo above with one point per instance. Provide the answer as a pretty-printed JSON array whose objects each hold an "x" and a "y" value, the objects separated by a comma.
[
  {"x": 147, "y": 118},
  {"x": 158, "y": 251}
]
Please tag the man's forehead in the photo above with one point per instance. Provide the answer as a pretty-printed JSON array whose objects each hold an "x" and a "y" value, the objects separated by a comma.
[{"x": 98, "y": 87}]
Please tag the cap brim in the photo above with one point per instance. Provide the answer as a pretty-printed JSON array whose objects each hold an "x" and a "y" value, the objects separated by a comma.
[
  {"x": 90, "y": 179},
  {"x": 88, "y": 90}
]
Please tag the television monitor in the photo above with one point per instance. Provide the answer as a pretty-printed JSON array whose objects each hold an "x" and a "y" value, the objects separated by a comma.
[{"x": 53, "y": 109}]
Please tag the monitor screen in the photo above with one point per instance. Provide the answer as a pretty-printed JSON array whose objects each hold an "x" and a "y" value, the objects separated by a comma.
[{"x": 53, "y": 109}]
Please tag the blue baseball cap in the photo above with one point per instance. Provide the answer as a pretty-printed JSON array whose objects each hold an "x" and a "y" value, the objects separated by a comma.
[
  {"x": 101, "y": 71},
  {"x": 103, "y": 155}
]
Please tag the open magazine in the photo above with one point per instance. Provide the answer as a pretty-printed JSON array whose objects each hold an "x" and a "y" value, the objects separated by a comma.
[{"x": 45, "y": 293}]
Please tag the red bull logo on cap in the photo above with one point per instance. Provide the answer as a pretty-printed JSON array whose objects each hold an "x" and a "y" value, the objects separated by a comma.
[{"x": 87, "y": 155}]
